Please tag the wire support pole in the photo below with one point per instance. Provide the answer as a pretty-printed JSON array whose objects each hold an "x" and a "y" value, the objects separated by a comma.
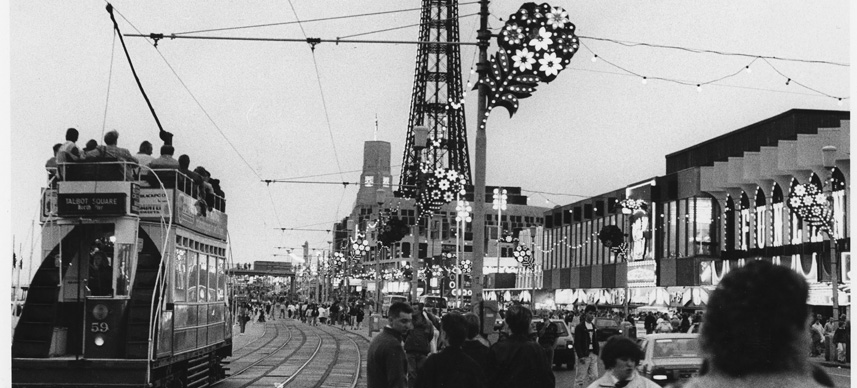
[
  {"x": 476, "y": 279},
  {"x": 312, "y": 41}
]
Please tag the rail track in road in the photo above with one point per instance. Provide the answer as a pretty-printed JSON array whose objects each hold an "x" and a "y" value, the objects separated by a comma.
[{"x": 324, "y": 356}]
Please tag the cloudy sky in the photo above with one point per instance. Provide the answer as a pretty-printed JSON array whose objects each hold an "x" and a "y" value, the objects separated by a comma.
[{"x": 250, "y": 111}]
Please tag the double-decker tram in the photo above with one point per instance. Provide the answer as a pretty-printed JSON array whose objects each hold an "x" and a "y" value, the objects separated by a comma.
[{"x": 132, "y": 287}]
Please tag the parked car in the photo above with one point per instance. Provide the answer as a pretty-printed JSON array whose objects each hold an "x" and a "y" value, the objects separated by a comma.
[
  {"x": 670, "y": 357},
  {"x": 563, "y": 352},
  {"x": 606, "y": 328}
]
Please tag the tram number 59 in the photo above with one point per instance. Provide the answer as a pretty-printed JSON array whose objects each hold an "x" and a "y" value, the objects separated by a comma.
[{"x": 99, "y": 327}]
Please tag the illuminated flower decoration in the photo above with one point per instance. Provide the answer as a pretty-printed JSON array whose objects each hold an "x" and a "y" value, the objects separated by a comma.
[
  {"x": 466, "y": 266},
  {"x": 811, "y": 205},
  {"x": 359, "y": 245},
  {"x": 523, "y": 256},
  {"x": 535, "y": 34},
  {"x": 440, "y": 188},
  {"x": 632, "y": 204}
]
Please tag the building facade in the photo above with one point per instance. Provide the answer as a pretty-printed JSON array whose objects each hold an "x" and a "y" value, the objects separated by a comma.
[{"x": 721, "y": 203}]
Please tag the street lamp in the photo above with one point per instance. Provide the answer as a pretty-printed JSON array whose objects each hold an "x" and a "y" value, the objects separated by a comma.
[
  {"x": 462, "y": 215},
  {"x": 816, "y": 209},
  {"x": 500, "y": 198},
  {"x": 380, "y": 197},
  {"x": 420, "y": 139}
]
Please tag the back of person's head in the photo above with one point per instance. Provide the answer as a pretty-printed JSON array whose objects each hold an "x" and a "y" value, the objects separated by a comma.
[
  {"x": 398, "y": 308},
  {"x": 91, "y": 145},
  {"x": 455, "y": 327},
  {"x": 71, "y": 134},
  {"x": 110, "y": 138},
  {"x": 619, "y": 346},
  {"x": 168, "y": 150},
  {"x": 57, "y": 148},
  {"x": 472, "y": 325},
  {"x": 518, "y": 318},
  {"x": 146, "y": 147},
  {"x": 184, "y": 162},
  {"x": 755, "y": 321}
]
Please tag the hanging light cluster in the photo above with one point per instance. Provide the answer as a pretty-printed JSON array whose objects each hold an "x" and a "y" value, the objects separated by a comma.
[
  {"x": 536, "y": 43},
  {"x": 523, "y": 256},
  {"x": 632, "y": 204},
  {"x": 811, "y": 205},
  {"x": 463, "y": 210},
  {"x": 466, "y": 266},
  {"x": 441, "y": 186},
  {"x": 359, "y": 245}
]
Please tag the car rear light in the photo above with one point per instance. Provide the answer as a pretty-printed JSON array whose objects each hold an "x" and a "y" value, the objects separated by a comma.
[{"x": 659, "y": 377}]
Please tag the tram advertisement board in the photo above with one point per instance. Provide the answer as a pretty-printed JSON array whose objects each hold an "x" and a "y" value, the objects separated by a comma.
[
  {"x": 189, "y": 213},
  {"x": 89, "y": 204}
]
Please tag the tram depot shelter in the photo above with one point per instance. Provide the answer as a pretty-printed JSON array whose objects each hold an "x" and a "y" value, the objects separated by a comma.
[{"x": 271, "y": 275}]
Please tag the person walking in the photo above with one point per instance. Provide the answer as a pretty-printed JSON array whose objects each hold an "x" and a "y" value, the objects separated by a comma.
[
  {"x": 386, "y": 362},
  {"x": 841, "y": 338},
  {"x": 517, "y": 361},
  {"x": 650, "y": 322},
  {"x": 243, "y": 316},
  {"x": 475, "y": 346},
  {"x": 548, "y": 335},
  {"x": 621, "y": 355},
  {"x": 587, "y": 348},
  {"x": 452, "y": 367},
  {"x": 418, "y": 342},
  {"x": 755, "y": 331}
]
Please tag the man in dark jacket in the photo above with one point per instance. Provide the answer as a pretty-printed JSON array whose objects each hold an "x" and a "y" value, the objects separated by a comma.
[
  {"x": 418, "y": 342},
  {"x": 586, "y": 347},
  {"x": 650, "y": 323},
  {"x": 386, "y": 363},
  {"x": 517, "y": 361},
  {"x": 452, "y": 367}
]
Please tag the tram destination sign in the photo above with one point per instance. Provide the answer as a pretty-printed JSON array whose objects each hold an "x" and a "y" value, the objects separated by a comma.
[{"x": 101, "y": 204}]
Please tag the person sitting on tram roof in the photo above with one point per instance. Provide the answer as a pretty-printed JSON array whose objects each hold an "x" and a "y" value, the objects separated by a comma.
[
  {"x": 166, "y": 160},
  {"x": 51, "y": 164},
  {"x": 68, "y": 151}
]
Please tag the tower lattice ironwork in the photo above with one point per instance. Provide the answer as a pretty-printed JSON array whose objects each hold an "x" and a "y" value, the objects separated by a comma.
[{"x": 437, "y": 99}]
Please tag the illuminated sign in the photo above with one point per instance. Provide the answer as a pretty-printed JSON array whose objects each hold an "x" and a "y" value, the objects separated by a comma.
[
  {"x": 89, "y": 204},
  {"x": 642, "y": 273}
]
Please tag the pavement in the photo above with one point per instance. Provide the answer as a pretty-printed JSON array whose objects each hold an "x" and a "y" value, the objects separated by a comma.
[{"x": 830, "y": 364}]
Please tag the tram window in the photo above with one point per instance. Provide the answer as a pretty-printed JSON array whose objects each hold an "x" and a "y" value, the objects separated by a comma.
[
  {"x": 212, "y": 278},
  {"x": 123, "y": 270},
  {"x": 192, "y": 276},
  {"x": 221, "y": 279},
  {"x": 180, "y": 291},
  {"x": 203, "y": 278},
  {"x": 100, "y": 276}
]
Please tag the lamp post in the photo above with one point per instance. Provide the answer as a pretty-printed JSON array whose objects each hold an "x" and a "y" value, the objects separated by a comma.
[
  {"x": 462, "y": 215},
  {"x": 828, "y": 154},
  {"x": 380, "y": 197},
  {"x": 627, "y": 212},
  {"x": 500, "y": 199},
  {"x": 420, "y": 139},
  {"x": 816, "y": 209}
]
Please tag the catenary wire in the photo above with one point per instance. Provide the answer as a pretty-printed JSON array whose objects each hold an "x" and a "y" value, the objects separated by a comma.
[
  {"x": 109, "y": 82},
  {"x": 401, "y": 27}
]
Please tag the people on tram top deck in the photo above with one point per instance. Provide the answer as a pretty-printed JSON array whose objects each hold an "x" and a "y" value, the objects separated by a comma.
[
  {"x": 91, "y": 146},
  {"x": 68, "y": 151},
  {"x": 166, "y": 160},
  {"x": 51, "y": 164},
  {"x": 144, "y": 156}
]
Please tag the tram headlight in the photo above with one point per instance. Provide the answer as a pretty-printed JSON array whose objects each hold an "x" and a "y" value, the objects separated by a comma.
[
  {"x": 99, "y": 340},
  {"x": 100, "y": 311}
]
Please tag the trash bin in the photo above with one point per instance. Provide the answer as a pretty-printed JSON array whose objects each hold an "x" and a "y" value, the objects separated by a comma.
[{"x": 374, "y": 323}]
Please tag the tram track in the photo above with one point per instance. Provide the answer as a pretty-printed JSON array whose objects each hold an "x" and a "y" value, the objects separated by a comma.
[
  {"x": 336, "y": 361},
  {"x": 281, "y": 362}
]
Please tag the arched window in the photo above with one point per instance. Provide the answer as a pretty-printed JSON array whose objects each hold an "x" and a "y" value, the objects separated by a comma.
[
  {"x": 795, "y": 225},
  {"x": 840, "y": 204},
  {"x": 760, "y": 212},
  {"x": 729, "y": 224},
  {"x": 777, "y": 209},
  {"x": 815, "y": 234},
  {"x": 746, "y": 222}
]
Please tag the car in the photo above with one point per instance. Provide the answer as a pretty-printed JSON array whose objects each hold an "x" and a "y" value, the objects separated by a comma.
[
  {"x": 670, "y": 358},
  {"x": 563, "y": 352},
  {"x": 606, "y": 328},
  {"x": 388, "y": 301}
]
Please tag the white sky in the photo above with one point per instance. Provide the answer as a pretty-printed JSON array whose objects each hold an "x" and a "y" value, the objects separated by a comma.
[{"x": 592, "y": 130}]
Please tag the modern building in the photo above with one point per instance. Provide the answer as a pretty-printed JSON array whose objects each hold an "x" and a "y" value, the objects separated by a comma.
[{"x": 721, "y": 203}]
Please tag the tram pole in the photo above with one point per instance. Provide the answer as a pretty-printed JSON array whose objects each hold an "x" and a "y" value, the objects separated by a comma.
[{"x": 479, "y": 164}]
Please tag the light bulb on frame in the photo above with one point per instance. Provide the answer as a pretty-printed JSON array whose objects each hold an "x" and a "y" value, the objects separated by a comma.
[
  {"x": 644, "y": 80},
  {"x": 698, "y": 87},
  {"x": 595, "y": 58}
]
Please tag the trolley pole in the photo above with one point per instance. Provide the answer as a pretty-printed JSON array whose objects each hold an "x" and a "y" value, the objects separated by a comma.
[{"x": 479, "y": 164}]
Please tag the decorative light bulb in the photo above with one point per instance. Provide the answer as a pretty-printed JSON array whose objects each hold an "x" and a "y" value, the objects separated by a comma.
[
  {"x": 748, "y": 69},
  {"x": 698, "y": 87},
  {"x": 840, "y": 102},
  {"x": 595, "y": 58},
  {"x": 644, "y": 80}
]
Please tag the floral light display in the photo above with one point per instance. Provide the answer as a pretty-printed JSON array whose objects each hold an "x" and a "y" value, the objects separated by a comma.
[
  {"x": 441, "y": 186},
  {"x": 359, "y": 245},
  {"x": 523, "y": 256},
  {"x": 810, "y": 204},
  {"x": 466, "y": 266},
  {"x": 536, "y": 43},
  {"x": 632, "y": 204}
]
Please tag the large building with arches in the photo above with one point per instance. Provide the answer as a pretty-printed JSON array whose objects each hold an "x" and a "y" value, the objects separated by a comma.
[{"x": 721, "y": 203}]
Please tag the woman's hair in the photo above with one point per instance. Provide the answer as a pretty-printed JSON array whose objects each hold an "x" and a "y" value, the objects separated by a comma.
[
  {"x": 518, "y": 318},
  {"x": 620, "y": 347},
  {"x": 755, "y": 321},
  {"x": 455, "y": 327}
]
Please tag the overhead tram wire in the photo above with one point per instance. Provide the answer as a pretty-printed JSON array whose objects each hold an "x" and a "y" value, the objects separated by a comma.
[
  {"x": 402, "y": 27},
  {"x": 311, "y": 20}
]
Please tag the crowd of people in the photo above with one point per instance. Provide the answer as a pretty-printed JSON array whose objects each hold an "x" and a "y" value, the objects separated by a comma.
[
  {"x": 264, "y": 306},
  {"x": 754, "y": 335},
  {"x": 204, "y": 188}
]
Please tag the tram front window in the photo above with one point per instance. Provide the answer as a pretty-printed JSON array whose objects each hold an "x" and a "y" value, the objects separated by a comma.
[{"x": 100, "y": 277}]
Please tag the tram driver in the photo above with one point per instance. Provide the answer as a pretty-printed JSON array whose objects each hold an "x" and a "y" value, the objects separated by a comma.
[{"x": 100, "y": 274}]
